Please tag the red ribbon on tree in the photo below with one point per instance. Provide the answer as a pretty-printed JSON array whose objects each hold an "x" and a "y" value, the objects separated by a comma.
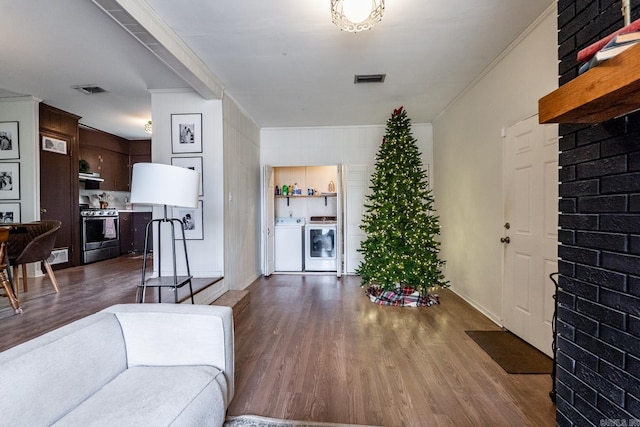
[{"x": 397, "y": 112}]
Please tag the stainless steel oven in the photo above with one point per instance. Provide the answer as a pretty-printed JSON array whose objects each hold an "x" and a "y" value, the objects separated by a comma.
[{"x": 100, "y": 231}]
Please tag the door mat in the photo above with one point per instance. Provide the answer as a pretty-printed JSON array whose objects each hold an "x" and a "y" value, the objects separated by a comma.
[
  {"x": 513, "y": 354},
  {"x": 256, "y": 421}
]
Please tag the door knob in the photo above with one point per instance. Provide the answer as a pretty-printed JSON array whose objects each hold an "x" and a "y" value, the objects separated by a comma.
[
  {"x": 43, "y": 210},
  {"x": 505, "y": 239}
]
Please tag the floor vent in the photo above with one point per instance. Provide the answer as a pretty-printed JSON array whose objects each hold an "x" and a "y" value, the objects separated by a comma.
[
  {"x": 369, "y": 78},
  {"x": 59, "y": 256}
]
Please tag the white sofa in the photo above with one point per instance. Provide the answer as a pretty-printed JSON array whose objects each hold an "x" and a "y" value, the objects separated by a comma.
[{"x": 129, "y": 365}]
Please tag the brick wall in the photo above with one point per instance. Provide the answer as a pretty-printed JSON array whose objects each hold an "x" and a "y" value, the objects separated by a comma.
[{"x": 598, "y": 380}]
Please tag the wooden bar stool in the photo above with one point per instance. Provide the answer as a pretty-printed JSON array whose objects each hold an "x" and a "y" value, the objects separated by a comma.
[{"x": 4, "y": 280}]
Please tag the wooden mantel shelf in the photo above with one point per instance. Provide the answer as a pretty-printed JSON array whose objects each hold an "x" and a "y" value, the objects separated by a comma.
[{"x": 609, "y": 90}]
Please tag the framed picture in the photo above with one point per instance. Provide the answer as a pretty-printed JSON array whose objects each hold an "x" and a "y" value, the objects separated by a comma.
[
  {"x": 9, "y": 181},
  {"x": 186, "y": 133},
  {"x": 192, "y": 221},
  {"x": 54, "y": 145},
  {"x": 9, "y": 140},
  {"x": 9, "y": 213},
  {"x": 193, "y": 163}
]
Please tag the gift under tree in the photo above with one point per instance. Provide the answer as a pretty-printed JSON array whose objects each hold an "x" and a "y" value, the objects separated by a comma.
[{"x": 401, "y": 253}]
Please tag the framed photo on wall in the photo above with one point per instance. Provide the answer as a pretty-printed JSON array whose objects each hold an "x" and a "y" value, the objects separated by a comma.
[
  {"x": 9, "y": 213},
  {"x": 54, "y": 145},
  {"x": 9, "y": 141},
  {"x": 192, "y": 221},
  {"x": 9, "y": 181},
  {"x": 193, "y": 163},
  {"x": 186, "y": 133}
]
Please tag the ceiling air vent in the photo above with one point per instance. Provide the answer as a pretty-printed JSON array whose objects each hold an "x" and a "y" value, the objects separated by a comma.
[
  {"x": 89, "y": 89},
  {"x": 369, "y": 78}
]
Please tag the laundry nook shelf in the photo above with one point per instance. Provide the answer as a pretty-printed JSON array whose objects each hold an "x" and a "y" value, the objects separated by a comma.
[{"x": 303, "y": 196}]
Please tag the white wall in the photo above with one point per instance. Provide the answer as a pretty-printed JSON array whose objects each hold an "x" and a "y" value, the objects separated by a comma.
[
  {"x": 468, "y": 161},
  {"x": 347, "y": 145},
  {"x": 206, "y": 257},
  {"x": 242, "y": 190},
  {"x": 24, "y": 110}
]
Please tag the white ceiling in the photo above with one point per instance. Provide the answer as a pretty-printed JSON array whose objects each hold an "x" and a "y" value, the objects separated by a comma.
[{"x": 283, "y": 61}]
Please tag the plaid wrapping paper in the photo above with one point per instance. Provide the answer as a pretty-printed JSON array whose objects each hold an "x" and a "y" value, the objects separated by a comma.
[{"x": 401, "y": 297}]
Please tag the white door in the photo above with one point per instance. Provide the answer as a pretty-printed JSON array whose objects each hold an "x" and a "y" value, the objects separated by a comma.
[
  {"x": 268, "y": 220},
  {"x": 531, "y": 230},
  {"x": 357, "y": 187}
]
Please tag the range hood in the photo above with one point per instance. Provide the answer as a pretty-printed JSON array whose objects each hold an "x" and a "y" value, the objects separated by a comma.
[{"x": 90, "y": 177}]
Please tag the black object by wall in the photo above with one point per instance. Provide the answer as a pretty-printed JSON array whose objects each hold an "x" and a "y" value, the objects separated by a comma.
[{"x": 598, "y": 380}]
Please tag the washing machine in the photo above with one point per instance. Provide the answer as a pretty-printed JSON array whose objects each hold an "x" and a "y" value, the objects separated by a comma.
[
  {"x": 320, "y": 244},
  {"x": 289, "y": 244}
]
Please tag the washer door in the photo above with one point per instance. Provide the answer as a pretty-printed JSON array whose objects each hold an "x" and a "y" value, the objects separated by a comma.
[
  {"x": 322, "y": 243},
  {"x": 320, "y": 248}
]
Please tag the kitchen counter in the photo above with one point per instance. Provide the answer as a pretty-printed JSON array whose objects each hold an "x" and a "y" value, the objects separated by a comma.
[{"x": 135, "y": 209}]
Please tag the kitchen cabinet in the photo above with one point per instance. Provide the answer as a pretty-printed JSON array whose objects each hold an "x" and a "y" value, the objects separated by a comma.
[
  {"x": 139, "y": 152},
  {"x": 116, "y": 171},
  {"x": 126, "y": 232},
  {"x": 107, "y": 155},
  {"x": 140, "y": 220},
  {"x": 59, "y": 185}
]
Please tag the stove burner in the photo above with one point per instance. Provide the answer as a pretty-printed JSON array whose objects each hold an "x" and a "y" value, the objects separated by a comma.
[{"x": 111, "y": 212}]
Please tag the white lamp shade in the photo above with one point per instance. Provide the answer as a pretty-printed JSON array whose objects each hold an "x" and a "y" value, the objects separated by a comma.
[{"x": 160, "y": 184}]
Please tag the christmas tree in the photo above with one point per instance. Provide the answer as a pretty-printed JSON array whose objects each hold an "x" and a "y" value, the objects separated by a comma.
[{"x": 401, "y": 250}]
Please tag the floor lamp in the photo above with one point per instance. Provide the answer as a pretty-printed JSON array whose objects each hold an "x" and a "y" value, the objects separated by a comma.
[{"x": 164, "y": 185}]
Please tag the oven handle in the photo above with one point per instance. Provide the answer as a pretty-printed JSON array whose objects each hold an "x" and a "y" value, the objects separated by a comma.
[{"x": 95, "y": 218}]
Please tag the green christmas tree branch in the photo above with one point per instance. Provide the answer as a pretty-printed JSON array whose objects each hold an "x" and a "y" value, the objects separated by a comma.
[{"x": 401, "y": 247}]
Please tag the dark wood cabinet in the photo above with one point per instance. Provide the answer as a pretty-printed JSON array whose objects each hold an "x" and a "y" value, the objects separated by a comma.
[
  {"x": 107, "y": 155},
  {"x": 126, "y": 232},
  {"x": 117, "y": 171},
  {"x": 59, "y": 179},
  {"x": 139, "y": 152},
  {"x": 140, "y": 221}
]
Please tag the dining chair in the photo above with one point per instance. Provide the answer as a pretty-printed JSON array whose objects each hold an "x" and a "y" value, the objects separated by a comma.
[
  {"x": 5, "y": 284},
  {"x": 33, "y": 243}
]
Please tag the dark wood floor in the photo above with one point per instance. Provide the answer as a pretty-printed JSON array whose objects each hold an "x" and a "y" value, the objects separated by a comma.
[
  {"x": 83, "y": 291},
  {"x": 314, "y": 348}
]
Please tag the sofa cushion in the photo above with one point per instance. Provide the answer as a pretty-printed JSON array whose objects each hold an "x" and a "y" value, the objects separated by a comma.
[
  {"x": 46, "y": 377},
  {"x": 179, "y": 334},
  {"x": 155, "y": 396},
  {"x": 159, "y": 339}
]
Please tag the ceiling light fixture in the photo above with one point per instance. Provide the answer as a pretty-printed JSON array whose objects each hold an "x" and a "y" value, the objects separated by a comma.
[
  {"x": 147, "y": 127},
  {"x": 356, "y": 15}
]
